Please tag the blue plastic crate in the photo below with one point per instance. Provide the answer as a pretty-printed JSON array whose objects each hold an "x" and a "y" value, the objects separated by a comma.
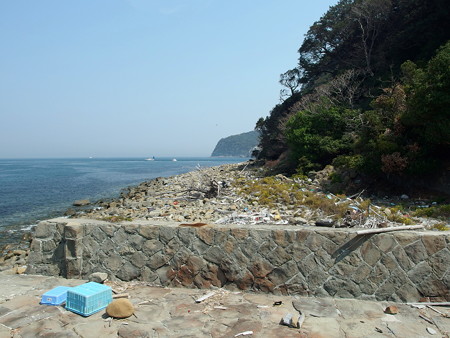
[
  {"x": 88, "y": 298},
  {"x": 55, "y": 296}
]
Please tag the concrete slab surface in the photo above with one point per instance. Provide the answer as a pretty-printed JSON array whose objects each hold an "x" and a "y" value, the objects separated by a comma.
[{"x": 173, "y": 312}]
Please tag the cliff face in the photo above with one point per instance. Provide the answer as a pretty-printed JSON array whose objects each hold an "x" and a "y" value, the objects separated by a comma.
[{"x": 240, "y": 145}]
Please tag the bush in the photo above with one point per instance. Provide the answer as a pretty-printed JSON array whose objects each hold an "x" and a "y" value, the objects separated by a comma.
[{"x": 315, "y": 139}]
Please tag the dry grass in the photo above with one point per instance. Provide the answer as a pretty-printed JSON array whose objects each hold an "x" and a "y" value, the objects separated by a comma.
[{"x": 273, "y": 191}]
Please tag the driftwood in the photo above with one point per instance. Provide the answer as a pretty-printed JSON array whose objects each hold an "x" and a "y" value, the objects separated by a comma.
[
  {"x": 426, "y": 319},
  {"x": 436, "y": 310},
  {"x": 121, "y": 295},
  {"x": 377, "y": 231},
  {"x": 431, "y": 303},
  {"x": 197, "y": 225}
]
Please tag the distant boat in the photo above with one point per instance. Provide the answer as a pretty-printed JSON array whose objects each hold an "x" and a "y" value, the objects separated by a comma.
[
  {"x": 174, "y": 159},
  {"x": 150, "y": 159}
]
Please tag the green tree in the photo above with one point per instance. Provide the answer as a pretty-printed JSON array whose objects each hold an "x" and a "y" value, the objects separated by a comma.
[
  {"x": 427, "y": 118},
  {"x": 316, "y": 138}
]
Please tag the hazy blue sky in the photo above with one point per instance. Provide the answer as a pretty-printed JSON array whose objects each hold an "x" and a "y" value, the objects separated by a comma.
[{"x": 141, "y": 77}]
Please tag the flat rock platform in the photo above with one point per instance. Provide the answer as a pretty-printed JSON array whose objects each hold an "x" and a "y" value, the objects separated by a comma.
[{"x": 173, "y": 312}]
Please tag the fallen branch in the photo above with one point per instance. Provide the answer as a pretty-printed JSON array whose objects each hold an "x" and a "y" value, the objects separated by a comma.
[
  {"x": 400, "y": 228},
  {"x": 426, "y": 319},
  {"x": 436, "y": 310},
  {"x": 431, "y": 303},
  {"x": 356, "y": 195}
]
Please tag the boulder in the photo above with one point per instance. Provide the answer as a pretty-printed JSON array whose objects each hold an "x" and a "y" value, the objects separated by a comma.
[
  {"x": 80, "y": 203},
  {"x": 120, "y": 308},
  {"x": 325, "y": 222},
  {"x": 98, "y": 277},
  {"x": 70, "y": 212}
]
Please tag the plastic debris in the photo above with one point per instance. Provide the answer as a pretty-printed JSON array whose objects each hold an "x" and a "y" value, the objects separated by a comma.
[
  {"x": 220, "y": 307},
  {"x": 245, "y": 333},
  {"x": 431, "y": 331},
  {"x": 249, "y": 217},
  {"x": 288, "y": 321},
  {"x": 201, "y": 299}
]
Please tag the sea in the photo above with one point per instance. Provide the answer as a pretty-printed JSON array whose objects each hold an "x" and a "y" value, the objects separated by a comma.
[{"x": 37, "y": 189}]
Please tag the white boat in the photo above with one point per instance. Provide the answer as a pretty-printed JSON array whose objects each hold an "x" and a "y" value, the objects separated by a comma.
[
  {"x": 174, "y": 159},
  {"x": 150, "y": 158}
]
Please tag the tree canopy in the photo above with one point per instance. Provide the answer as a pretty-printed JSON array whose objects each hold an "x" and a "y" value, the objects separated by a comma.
[{"x": 372, "y": 83}]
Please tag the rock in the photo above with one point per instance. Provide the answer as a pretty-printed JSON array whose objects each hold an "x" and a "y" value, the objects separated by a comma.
[
  {"x": 80, "y": 203},
  {"x": 300, "y": 220},
  {"x": 70, "y": 212},
  {"x": 391, "y": 310},
  {"x": 130, "y": 331},
  {"x": 120, "y": 308},
  {"x": 325, "y": 223},
  {"x": 98, "y": 277},
  {"x": 19, "y": 252},
  {"x": 28, "y": 237},
  {"x": 404, "y": 197},
  {"x": 20, "y": 269}
]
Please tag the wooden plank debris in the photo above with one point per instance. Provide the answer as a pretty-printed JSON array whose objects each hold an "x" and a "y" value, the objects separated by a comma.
[
  {"x": 400, "y": 228},
  {"x": 430, "y": 303}
]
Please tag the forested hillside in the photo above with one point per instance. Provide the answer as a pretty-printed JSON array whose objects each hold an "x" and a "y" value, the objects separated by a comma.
[
  {"x": 371, "y": 92},
  {"x": 240, "y": 145}
]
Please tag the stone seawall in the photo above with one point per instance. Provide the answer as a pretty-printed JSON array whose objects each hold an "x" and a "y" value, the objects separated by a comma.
[{"x": 398, "y": 266}]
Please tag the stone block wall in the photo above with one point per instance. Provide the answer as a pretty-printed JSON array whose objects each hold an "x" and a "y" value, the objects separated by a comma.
[{"x": 398, "y": 266}]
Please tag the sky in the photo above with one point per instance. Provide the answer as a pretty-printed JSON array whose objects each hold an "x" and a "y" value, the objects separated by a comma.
[{"x": 132, "y": 78}]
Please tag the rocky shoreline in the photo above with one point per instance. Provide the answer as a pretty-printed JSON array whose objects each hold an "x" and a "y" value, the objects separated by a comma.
[
  {"x": 235, "y": 194},
  {"x": 242, "y": 194}
]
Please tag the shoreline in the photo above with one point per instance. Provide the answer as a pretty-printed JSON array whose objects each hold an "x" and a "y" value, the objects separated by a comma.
[
  {"x": 241, "y": 193},
  {"x": 13, "y": 228},
  {"x": 223, "y": 195}
]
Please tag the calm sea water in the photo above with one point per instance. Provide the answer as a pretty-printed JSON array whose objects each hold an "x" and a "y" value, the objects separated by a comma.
[{"x": 37, "y": 189}]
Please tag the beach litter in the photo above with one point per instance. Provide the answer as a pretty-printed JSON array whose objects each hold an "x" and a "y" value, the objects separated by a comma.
[
  {"x": 55, "y": 296},
  {"x": 208, "y": 295},
  {"x": 252, "y": 217}
]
